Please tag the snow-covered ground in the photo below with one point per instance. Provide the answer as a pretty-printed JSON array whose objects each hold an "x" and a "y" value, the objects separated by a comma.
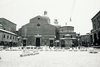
[{"x": 51, "y": 58}]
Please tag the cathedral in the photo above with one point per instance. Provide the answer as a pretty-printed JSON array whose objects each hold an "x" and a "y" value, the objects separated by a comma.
[{"x": 39, "y": 32}]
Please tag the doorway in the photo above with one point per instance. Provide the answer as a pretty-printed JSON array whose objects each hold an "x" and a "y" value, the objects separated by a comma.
[
  {"x": 62, "y": 43},
  {"x": 24, "y": 42},
  {"x": 37, "y": 42},
  {"x": 51, "y": 43}
]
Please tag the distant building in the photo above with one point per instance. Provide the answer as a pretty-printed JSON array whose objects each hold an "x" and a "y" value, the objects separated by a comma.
[
  {"x": 96, "y": 29},
  {"x": 67, "y": 36},
  {"x": 86, "y": 40},
  {"x": 8, "y": 25}
]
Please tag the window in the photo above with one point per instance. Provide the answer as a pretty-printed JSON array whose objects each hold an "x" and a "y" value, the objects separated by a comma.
[
  {"x": 13, "y": 37},
  {"x": 10, "y": 37},
  {"x": 38, "y": 24},
  {"x": 38, "y": 18},
  {"x": 28, "y": 47},
  {"x": 63, "y": 36},
  {"x": 4, "y": 36},
  {"x": 71, "y": 36},
  {"x": 7, "y": 36}
]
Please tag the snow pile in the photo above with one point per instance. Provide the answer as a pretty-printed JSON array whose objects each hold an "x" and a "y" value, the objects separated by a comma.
[{"x": 28, "y": 53}]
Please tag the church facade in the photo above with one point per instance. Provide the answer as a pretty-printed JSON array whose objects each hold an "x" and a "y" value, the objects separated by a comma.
[{"x": 38, "y": 31}]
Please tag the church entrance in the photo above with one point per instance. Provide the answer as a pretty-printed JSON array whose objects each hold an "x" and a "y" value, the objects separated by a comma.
[
  {"x": 51, "y": 43},
  {"x": 38, "y": 42}
]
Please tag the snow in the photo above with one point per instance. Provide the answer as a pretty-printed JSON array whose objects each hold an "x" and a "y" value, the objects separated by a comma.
[{"x": 50, "y": 58}]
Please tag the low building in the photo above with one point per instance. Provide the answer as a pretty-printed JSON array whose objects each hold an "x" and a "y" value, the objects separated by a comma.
[
  {"x": 86, "y": 40},
  {"x": 67, "y": 36},
  {"x": 7, "y": 33},
  {"x": 8, "y": 38}
]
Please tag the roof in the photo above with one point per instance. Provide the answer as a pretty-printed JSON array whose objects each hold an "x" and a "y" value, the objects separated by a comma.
[
  {"x": 96, "y": 15},
  {"x": 67, "y": 38},
  {"x": 7, "y": 32},
  {"x": 43, "y": 17},
  {"x": 7, "y": 20}
]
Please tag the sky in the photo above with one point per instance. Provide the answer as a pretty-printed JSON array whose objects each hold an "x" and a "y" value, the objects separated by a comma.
[{"x": 80, "y": 11}]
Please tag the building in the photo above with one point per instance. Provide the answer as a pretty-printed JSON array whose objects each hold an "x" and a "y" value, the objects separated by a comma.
[
  {"x": 86, "y": 40},
  {"x": 8, "y": 25},
  {"x": 38, "y": 32},
  {"x": 7, "y": 38},
  {"x": 67, "y": 36},
  {"x": 96, "y": 29}
]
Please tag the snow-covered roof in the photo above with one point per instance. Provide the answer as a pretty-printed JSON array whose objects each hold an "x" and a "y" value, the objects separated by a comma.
[
  {"x": 8, "y": 32},
  {"x": 67, "y": 35},
  {"x": 67, "y": 38}
]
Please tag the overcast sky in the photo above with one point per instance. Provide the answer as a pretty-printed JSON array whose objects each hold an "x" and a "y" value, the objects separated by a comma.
[{"x": 80, "y": 11}]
